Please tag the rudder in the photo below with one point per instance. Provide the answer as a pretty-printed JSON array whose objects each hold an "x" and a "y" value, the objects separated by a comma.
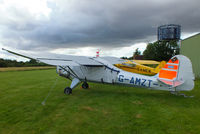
[{"x": 178, "y": 73}]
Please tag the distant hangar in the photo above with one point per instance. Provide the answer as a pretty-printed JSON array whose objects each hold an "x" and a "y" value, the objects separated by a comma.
[{"x": 190, "y": 47}]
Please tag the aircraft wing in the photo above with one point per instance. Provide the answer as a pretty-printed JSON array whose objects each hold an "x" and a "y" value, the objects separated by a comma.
[
  {"x": 146, "y": 62},
  {"x": 58, "y": 59},
  {"x": 113, "y": 60}
]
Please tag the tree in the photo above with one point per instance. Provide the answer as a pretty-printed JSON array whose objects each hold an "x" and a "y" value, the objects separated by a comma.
[
  {"x": 14, "y": 63},
  {"x": 32, "y": 61},
  {"x": 161, "y": 50},
  {"x": 124, "y": 58},
  {"x": 149, "y": 52},
  {"x": 136, "y": 53}
]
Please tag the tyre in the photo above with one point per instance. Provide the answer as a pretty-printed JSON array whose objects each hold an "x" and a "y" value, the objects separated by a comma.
[
  {"x": 85, "y": 85},
  {"x": 68, "y": 90}
]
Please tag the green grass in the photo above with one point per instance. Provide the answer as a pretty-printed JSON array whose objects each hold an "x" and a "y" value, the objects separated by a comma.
[
  {"x": 103, "y": 109},
  {"x": 6, "y": 69}
]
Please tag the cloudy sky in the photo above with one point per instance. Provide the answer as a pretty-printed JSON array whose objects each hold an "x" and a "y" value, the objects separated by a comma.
[{"x": 80, "y": 27}]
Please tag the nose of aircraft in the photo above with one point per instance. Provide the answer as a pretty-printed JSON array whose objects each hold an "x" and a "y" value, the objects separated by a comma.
[{"x": 62, "y": 71}]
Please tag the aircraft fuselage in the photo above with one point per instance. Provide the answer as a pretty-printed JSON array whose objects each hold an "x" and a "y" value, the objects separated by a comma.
[{"x": 112, "y": 75}]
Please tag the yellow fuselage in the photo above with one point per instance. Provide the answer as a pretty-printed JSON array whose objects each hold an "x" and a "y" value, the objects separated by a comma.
[{"x": 140, "y": 69}]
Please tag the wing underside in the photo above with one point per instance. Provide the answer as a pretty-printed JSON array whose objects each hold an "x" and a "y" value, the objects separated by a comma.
[{"x": 58, "y": 59}]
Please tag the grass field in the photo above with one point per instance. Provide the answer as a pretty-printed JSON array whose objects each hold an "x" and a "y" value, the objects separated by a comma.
[
  {"x": 5, "y": 69},
  {"x": 103, "y": 109}
]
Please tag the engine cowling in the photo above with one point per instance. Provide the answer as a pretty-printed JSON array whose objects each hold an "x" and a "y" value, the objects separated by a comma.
[{"x": 63, "y": 71}]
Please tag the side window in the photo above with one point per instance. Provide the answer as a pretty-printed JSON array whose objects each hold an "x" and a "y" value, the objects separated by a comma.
[{"x": 129, "y": 65}]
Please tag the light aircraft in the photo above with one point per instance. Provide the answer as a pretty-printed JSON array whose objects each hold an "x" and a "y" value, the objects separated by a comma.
[
  {"x": 135, "y": 66},
  {"x": 177, "y": 75}
]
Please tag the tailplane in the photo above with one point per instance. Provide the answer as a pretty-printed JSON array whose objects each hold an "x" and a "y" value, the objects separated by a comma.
[
  {"x": 160, "y": 66},
  {"x": 178, "y": 73}
]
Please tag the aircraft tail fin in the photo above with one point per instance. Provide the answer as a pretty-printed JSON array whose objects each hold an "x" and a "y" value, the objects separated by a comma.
[
  {"x": 178, "y": 73},
  {"x": 160, "y": 66}
]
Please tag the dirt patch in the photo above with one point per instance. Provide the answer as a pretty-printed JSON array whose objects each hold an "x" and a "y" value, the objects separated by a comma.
[
  {"x": 137, "y": 102},
  {"x": 138, "y": 116},
  {"x": 88, "y": 108}
]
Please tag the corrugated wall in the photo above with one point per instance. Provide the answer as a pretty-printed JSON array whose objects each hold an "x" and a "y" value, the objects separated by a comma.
[{"x": 190, "y": 47}]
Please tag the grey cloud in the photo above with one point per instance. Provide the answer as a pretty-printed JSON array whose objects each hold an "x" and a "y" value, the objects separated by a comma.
[{"x": 111, "y": 23}]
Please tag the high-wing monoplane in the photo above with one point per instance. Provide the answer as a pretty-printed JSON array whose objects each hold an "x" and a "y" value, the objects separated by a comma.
[{"x": 176, "y": 75}]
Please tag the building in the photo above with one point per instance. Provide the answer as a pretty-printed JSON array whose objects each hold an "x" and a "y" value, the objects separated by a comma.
[
  {"x": 190, "y": 47},
  {"x": 138, "y": 57}
]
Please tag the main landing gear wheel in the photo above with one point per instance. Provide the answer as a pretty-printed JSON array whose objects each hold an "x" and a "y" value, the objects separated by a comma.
[
  {"x": 85, "y": 85},
  {"x": 68, "y": 90}
]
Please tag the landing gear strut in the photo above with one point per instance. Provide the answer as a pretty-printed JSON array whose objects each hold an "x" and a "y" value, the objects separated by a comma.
[{"x": 85, "y": 85}]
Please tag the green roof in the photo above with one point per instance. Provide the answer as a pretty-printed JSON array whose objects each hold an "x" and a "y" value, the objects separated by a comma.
[{"x": 191, "y": 36}]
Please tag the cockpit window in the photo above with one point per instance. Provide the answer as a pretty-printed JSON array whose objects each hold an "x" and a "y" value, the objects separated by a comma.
[{"x": 127, "y": 64}]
